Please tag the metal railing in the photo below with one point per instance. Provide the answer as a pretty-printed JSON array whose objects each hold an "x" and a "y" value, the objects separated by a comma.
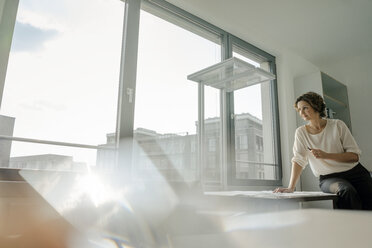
[{"x": 57, "y": 143}]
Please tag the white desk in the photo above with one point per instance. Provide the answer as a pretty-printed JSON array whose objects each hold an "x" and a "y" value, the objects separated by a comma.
[
  {"x": 305, "y": 228},
  {"x": 298, "y": 196}
]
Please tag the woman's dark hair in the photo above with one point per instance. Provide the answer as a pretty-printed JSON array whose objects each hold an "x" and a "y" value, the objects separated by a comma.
[{"x": 315, "y": 101}]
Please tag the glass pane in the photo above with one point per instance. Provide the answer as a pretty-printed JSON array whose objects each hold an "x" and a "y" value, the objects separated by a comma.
[
  {"x": 212, "y": 130},
  {"x": 245, "y": 55},
  {"x": 254, "y": 140},
  {"x": 166, "y": 110},
  {"x": 63, "y": 72}
]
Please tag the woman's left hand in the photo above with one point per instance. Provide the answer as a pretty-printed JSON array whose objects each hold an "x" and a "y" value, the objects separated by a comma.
[{"x": 319, "y": 153}]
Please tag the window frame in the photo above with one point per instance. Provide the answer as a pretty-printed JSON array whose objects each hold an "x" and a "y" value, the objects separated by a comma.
[
  {"x": 227, "y": 141},
  {"x": 261, "y": 56}
]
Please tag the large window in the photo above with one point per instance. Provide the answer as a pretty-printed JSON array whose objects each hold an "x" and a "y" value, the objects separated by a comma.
[
  {"x": 62, "y": 79},
  {"x": 255, "y": 159},
  {"x": 77, "y": 91},
  {"x": 166, "y": 109},
  {"x": 166, "y": 123}
]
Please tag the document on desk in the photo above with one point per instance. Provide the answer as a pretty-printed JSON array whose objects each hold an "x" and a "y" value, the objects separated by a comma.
[{"x": 269, "y": 194}]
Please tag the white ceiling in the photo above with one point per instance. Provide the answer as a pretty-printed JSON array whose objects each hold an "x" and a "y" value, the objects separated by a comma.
[{"x": 321, "y": 31}]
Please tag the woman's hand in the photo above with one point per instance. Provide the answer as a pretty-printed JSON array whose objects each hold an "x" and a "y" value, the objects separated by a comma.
[
  {"x": 348, "y": 157},
  {"x": 319, "y": 153},
  {"x": 283, "y": 190}
]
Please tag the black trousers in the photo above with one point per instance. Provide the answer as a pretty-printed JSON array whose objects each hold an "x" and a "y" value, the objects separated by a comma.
[{"x": 354, "y": 188}]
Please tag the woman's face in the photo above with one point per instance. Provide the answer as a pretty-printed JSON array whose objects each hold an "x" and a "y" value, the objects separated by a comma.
[{"x": 306, "y": 111}]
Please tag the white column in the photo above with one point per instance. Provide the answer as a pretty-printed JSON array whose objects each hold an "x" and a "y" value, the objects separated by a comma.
[
  {"x": 127, "y": 88},
  {"x": 8, "y": 14}
]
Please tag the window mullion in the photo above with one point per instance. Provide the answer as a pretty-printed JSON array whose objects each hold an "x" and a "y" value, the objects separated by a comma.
[
  {"x": 7, "y": 23},
  {"x": 227, "y": 130},
  {"x": 201, "y": 136},
  {"x": 127, "y": 87}
]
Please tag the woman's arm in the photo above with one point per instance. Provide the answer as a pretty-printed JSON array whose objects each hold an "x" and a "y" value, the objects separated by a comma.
[
  {"x": 295, "y": 175},
  {"x": 347, "y": 157}
]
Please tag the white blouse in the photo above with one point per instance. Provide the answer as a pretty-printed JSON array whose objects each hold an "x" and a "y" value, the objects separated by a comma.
[{"x": 334, "y": 138}]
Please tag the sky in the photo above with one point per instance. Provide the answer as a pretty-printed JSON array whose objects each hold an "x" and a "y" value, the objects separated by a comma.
[{"x": 63, "y": 76}]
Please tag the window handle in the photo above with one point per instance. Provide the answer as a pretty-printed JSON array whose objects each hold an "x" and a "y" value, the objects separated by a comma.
[{"x": 130, "y": 95}]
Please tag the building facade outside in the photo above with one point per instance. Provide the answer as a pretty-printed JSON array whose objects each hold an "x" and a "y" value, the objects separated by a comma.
[
  {"x": 172, "y": 156},
  {"x": 47, "y": 162},
  {"x": 175, "y": 156}
]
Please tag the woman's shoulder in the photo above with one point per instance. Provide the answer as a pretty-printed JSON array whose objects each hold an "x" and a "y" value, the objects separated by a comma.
[
  {"x": 335, "y": 122},
  {"x": 300, "y": 130}
]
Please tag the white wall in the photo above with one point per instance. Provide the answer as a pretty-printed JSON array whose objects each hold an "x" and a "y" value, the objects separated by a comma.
[
  {"x": 355, "y": 73},
  {"x": 289, "y": 66}
]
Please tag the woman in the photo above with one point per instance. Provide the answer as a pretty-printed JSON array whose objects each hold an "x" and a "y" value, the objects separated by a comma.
[{"x": 330, "y": 149}]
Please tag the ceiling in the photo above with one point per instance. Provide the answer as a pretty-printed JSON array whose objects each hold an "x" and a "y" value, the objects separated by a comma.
[{"x": 321, "y": 31}]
